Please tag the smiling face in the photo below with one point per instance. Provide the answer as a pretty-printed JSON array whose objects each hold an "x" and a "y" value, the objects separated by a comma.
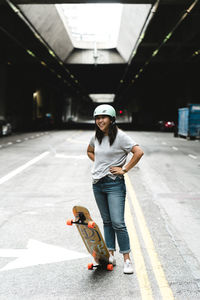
[{"x": 103, "y": 123}]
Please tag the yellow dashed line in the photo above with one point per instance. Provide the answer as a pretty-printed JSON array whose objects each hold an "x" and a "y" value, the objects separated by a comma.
[
  {"x": 165, "y": 290},
  {"x": 141, "y": 272}
]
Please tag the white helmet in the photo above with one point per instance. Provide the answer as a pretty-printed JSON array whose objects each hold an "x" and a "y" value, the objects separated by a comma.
[{"x": 105, "y": 109}]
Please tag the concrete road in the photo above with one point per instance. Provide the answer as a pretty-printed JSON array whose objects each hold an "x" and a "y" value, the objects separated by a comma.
[{"x": 43, "y": 175}]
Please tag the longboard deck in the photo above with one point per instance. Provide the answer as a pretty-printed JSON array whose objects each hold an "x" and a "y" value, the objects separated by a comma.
[{"x": 91, "y": 237}]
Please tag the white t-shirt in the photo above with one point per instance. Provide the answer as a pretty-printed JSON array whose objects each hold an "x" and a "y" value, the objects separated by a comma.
[{"x": 107, "y": 156}]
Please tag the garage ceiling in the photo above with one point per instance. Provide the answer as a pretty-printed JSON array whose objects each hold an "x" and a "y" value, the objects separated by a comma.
[{"x": 171, "y": 39}]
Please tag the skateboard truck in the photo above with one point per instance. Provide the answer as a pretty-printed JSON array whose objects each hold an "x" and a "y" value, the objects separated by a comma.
[
  {"x": 80, "y": 221},
  {"x": 108, "y": 267},
  {"x": 103, "y": 265}
]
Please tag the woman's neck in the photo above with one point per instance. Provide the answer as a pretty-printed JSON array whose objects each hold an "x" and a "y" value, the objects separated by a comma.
[{"x": 106, "y": 132}]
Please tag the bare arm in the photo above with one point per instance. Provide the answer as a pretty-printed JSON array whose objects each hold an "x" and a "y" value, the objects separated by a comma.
[
  {"x": 137, "y": 154},
  {"x": 90, "y": 152}
]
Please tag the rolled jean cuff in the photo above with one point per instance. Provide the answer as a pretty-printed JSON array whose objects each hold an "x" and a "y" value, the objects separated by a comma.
[
  {"x": 111, "y": 249},
  {"x": 125, "y": 251}
]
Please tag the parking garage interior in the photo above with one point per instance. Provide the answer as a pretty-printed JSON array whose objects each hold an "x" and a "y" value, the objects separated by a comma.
[{"x": 48, "y": 81}]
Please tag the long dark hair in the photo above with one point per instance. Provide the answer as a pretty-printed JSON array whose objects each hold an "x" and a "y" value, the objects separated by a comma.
[{"x": 112, "y": 132}]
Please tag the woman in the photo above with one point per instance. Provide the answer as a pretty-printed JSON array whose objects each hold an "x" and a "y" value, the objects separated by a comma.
[{"x": 109, "y": 149}]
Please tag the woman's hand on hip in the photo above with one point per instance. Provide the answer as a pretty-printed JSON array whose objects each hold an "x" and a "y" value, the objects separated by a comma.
[{"x": 117, "y": 171}]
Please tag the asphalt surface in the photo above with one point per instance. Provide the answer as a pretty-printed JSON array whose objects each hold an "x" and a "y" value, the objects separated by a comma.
[{"x": 44, "y": 174}]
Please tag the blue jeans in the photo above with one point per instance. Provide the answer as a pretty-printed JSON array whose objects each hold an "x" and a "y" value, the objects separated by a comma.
[{"x": 110, "y": 196}]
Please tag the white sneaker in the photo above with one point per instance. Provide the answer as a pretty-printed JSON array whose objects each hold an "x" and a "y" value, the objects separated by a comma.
[
  {"x": 112, "y": 260},
  {"x": 128, "y": 269}
]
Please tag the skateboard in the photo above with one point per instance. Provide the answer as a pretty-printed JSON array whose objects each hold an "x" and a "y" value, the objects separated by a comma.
[{"x": 92, "y": 238}]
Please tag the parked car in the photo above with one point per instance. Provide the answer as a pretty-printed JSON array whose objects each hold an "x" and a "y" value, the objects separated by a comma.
[
  {"x": 5, "y": 127},
  {"x": 166, "y": 125}
]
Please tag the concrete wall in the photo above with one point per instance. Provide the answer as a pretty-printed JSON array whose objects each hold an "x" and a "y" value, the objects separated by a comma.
[
  {"x": 47, "y": 22},
  {"x": 132, "y": 21},
  {"x": 3, "y": 84},
  {"x": 87, "y": 57}
]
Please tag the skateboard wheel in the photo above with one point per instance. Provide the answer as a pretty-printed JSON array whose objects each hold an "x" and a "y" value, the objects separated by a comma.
[
  {"x": 94, "y": 254},
  {"x": 91, "y": 224},
  {"x": 90, "y": 266},
  {"x": 109, "y": 267},
  {"x": 70, "y": 222}
]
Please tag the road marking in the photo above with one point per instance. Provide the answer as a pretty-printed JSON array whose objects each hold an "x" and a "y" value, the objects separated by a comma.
[
  {"x": 192, "y": 156},
  {"x": 38, "y": 253},
  {"x": 164, "y": 143},
  {"x": 23, "y": 167},
  {"x": 31, "y": 213},
  {"x": 175, "y": 148},
  {"x": 71, "y": 156},
  {"x": 77, "y": 142},
  {"x": 141, "y": 272},
  {"x": 165, "y": 290}
]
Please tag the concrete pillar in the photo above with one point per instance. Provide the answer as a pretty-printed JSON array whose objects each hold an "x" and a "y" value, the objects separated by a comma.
[{"x": 3, "y": 84}]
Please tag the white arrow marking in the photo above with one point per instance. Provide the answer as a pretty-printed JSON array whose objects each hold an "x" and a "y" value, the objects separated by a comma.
[
  {"x": 38, "y": 253},
  {"x": 192, "y": 156}
]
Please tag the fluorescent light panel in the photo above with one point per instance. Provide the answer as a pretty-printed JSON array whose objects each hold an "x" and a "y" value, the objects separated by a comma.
[{"x": 102, "y": 98}]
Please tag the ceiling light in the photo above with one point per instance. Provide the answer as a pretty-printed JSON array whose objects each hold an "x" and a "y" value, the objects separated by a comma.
[
  {"x": 102, "y": 98},
  {"x": 30, "y": 53},
  {"x": 155, "y": 52},
  {"x": 43, "y": 63},
  {"x": 52, "y": 53}
]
